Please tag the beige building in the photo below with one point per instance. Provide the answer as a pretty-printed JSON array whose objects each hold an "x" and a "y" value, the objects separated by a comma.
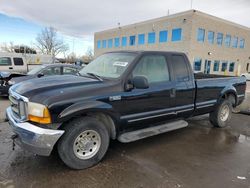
[{"x": 213, "y": 45}]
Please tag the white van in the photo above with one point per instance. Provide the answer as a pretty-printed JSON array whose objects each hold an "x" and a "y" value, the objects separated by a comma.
[{"x": 22, "y": 63}]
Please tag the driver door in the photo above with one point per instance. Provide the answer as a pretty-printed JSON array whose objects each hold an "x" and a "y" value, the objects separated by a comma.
[{"x": 153, "y": 103}]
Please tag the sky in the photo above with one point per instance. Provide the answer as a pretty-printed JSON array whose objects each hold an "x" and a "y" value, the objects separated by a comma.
[{"x": 77, "y": 20}]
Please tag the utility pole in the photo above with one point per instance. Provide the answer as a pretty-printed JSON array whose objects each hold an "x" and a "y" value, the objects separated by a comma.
[{"x": 191, "y": 4}]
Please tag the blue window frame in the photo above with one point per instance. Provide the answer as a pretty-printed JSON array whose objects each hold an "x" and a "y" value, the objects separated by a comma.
[
  {"x": 132, "y": 40},
  {"x": 231, "y": 67},
  {"x": 151, "y": 38},
  {"x": 210, "y": 37},
  {"x": 124, "y": 41},
  {"x": 163, "y": 36},
  {"x": 219, "y": 39},
  {"x": 117, "y": 42},
  {"x": 242, "y": 43},
  {"x": 224, "y": 66},
  {"x": 216, "y": 65},
  {"x": 110, "y": 43},
  {"x": 99, "y": 44},
  {"x": 197, "y": 64},
  {"x": 200, "y": 35},
  {"x": 228, "y": 41},
  {"x": 141, "y": 39},
  {"x": 235, "y": 42},
  {"x": 176, "y": 34},
  {"x": 104, "y": 43}
]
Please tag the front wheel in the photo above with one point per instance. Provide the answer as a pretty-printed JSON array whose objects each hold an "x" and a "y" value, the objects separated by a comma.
[
  {"x": 84, "y": 143},
  {"x": 222, "y": 114}
]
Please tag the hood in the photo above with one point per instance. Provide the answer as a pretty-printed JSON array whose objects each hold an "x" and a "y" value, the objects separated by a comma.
[
  {"x": 10, "y": 74},
  {"x": 55, "y": 87},
  {"x": 22, "y": 78}
]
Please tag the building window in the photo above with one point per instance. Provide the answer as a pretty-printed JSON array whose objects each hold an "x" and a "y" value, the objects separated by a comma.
[
  {"x": 117, "y": 42},
  {"x": 124, "y": 41},
  {"x": 151, "y": 38},
  {"x": 216, "y": 65},
  {"x": 200, "y": 35},
  {"x": 110, "y": 43},
  {"x": 219, "y": 38},
  {"x": 242, "y": 43},
  {"x": 235, "y": 42},
  {"x": 210, "y": 37},
  {"x": 231, "y": 67},
  {"x": 132, "y": 40},
  {"x": 224, "y": 66},
  {"x": 163, "y": 36},
  {"x": 228, "y": 41},
  {"x": 99, "y": 45},
  {"x": 104, "y": 44},
  {"x": 141, "y": 39},
  {"x": 197, "y": 64},
  {"x": 176, "y": 34}
]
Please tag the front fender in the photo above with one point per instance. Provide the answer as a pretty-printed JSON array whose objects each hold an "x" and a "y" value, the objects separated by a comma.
[{"x": 84, "y": 107}]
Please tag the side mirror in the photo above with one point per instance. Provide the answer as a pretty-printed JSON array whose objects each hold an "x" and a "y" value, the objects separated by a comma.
[
  {"x": 140, "y": 82},
  {"x": 40, "y": 75}
]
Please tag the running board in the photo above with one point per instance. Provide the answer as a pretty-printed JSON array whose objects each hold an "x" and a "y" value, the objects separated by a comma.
[{"x": 151, "y": 131}]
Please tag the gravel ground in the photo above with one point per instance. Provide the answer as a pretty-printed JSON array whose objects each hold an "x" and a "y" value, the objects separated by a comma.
[{"x": 4, "y": 103}]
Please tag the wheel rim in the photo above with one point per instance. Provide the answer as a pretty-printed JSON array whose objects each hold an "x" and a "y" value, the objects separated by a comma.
[
  {"x": 87, "y": 144},
  {"x": 224, "y": 113}
]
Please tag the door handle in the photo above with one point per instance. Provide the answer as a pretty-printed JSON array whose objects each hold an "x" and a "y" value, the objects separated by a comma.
[
  {"x": 10, "y": 67},
  {"x": 173, "y": 93}
]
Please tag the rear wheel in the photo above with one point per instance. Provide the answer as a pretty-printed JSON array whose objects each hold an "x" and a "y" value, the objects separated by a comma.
[
  {"x": 84, "y": 143},
  {"x": 222, "y": 114}
]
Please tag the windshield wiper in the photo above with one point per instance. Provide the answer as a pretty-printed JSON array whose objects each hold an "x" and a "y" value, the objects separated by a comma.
[{"x": 94, "y": 75}]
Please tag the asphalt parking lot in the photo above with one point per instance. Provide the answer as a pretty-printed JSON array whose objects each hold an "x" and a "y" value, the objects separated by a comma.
[{"x": 193, "y": 157}]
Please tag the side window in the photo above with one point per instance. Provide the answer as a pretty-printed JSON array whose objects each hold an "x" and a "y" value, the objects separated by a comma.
[
  {"x": 18, "y": 61},
  {"x": 69, "y": 70},
  {"x": 5, "y": 61},
  {"x": 180, "y": 68},
  {"x": 51, "y": 71},
  {"x": 153, "y": 67}
]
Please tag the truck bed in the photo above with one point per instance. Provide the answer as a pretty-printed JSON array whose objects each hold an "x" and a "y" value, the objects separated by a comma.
[
  {"x": 210, "y": 87},
  {"x": 207, "y": 76}
]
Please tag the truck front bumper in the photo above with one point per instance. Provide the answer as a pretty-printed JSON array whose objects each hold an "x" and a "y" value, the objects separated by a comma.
[{"x": 32, "y": 138}]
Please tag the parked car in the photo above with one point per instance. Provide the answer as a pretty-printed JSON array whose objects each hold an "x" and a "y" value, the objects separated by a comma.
[
  {"x": 38, "y": 72},
  {"x": 120, "y": 95},
  {"x": 247, "y": 76}
]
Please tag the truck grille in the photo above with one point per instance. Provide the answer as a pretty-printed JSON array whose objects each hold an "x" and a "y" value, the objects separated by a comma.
[{"x": 18, "y": 106}]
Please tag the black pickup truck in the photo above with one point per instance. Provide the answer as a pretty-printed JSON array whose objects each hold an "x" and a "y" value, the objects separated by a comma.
[{"x": 120, "y": 95}]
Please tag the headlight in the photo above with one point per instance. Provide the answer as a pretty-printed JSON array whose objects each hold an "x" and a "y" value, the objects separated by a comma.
[
  {"x": 38, "y": 113},
  {"x": 11, "y": 82}
]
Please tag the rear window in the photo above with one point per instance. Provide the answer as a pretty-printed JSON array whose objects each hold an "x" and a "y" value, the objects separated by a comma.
[
  {"x": 180, "y": 68},
  {"x": 5, "y": 61},
  {"x": 18, "y": 61}
]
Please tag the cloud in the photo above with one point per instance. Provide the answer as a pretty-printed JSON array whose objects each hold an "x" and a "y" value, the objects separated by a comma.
[{"x": 83, "y": 18}]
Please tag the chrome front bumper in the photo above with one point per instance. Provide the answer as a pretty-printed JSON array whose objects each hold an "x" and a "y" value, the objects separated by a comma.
[{"x": 32, "y": 138}]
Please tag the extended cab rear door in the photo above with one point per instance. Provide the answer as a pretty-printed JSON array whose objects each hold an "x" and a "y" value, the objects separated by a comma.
[{"x": 184, "y": 85}]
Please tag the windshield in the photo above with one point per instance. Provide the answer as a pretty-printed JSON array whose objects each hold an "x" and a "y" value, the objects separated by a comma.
[
  {"x": 111, "y": 65},
  {"x": 35, "y": 70}
]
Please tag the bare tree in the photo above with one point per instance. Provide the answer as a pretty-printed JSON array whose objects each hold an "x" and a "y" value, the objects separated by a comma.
[
  {"x": 49, "y": 43},
  {"x": 89, "y": 54},
  {"x": 10, "y": 47},
  {"x": 5, "y": 47}
]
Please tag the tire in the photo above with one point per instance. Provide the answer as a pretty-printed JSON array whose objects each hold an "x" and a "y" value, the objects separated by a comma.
[
  {"x": 84, "y": 143},
  {"x": 222, "y": 114}
]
